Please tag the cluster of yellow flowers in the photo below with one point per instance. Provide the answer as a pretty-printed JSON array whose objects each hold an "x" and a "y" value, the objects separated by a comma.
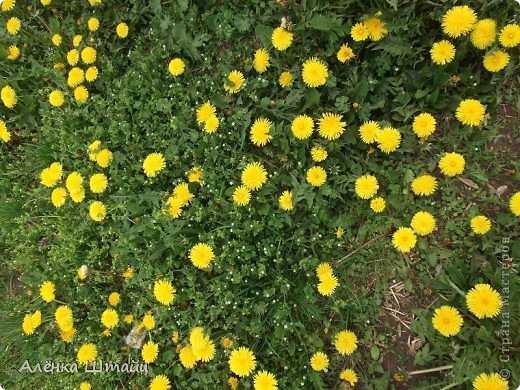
[
  {"x": 482, "y": 301},
  {"x": 372, "y": 28},
  {"x": 345, "y": 343},
  {"x": 459, "y": 21},
  {"x": 328, "y": 281},
  {"x": 98, "y": 183},
  {"x": 76, "y": 75}
]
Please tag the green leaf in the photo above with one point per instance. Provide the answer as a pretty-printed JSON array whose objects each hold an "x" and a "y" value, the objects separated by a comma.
[
  {"x": 312, "y": 98},
  {"x": 324, "y": 23},
  {"x": 374, "y": 352},
  {"x": 156, "y": 6}
]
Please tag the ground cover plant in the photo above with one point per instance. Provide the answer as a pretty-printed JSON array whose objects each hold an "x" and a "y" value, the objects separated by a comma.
[{"x": 259, "y": 194}]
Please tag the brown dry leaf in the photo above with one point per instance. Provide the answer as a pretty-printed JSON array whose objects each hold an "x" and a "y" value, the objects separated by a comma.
[
  {"x": 469, "y": 183},
  {"x": 500, "y": 190}
]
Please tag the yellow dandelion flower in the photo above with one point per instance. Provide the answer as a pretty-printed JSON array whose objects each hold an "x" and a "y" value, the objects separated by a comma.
[
  {"x": 242, "y": 361},
  {"x": 366, "y": 186},
  {"x": 424, "y": 125},
  {"x": 484, "y": 301},
  {"x": 58, "y": 197},
  {"x": 164, "y": 292},
  {"x": 328, "y": 284},
  {"x": 91, "y": 74},
  {"x": 68, "y": 335},
  {"x": 319, "y": 361},
  {"x": 452, "y": 164},
  {"x": 8, "y": 5},
  {"x": 160, "y": 382},
  {"x": 87, "y": 353},
  {"x": 423, "y": 223},
  {"x": 76, "y": 77},
  {"x": 113, "y": 299},
  {"x": 148, "y": 320},
  {"x": 264, "y": 380},
  {"x": 484, "y": 33},
  {"x": 98, "y": 183},
  {"x": 64, "y": 318},
  {"x": 514, "y": 204},
  {"x": 5, "y": 135},
  {"x": 510, "y": 35},
  {"x": 176, "y": 67},
  {"x": 319, "y": 154},
  {"x": 496, "y": 61},
  {"x": 104, "y": 158},
  {"x": 233, "y": 382},
  {"x": 109, "y": 318},
  {"x": 13, "y": 25},
  {"x": 345, "y": 53},
  {"x": 259, "y": 132},
  {"x": 491, "y": 381},
  {"x": 286, "y": 201},
  {"x": 77, "y": 40},
  {"x": 302, "y": 126},
  {"x": 424, "y": 185},
  {"x": 442, "y": 52},
  {"x": 201, "y": 255},
  {"x": 56, "y": 98},
  {"x": 388, "y": 140},
  {"x": 368, "y": 132},
  {"x": 88, "y": 55},
  {"x": 447, "y": 321},
  {"x": 56, "y": 39},
  {"x": 378, "y": 205},
  {"x": 122, "y": 30},
  {"x": 359, "y": 32},
  {"x": 241, "y": 196},
  {"x": 73, "y": 57},
  {"x": 129, "y": 273},
  {"x": 149, "y": 352},
  {"x": 323, "y": 270},
  {"x": 316, "y": 176},
  {"x": 205, "y": 111},
  {"x": 13, "y": 53},
  {"x": 285, "y": 80},
  {"x": 254, "y": 176},
  {"x": 47, "y": 290},
  {"x": 81, "y": 94},
  {"x": 51, "y": 175},
  {"x": 314, "y": 72},
  {"x": 345, "y": 342},
  {"x": 261, "y": 60},
  {"x": 227, "y": 343},
  {"x": 211, "y": 125},
  {"x": 281, "y": 38},
  {"x": 331, "y": 126},
  {"x": 188, "y": 359},
  {"x": 93, "y": 24},
  {"x": 349, "y": 376},
  {"x": 8, "y": 96},
  {"x": 404, "y": 239},
  {"x": 97, "y": 211},
  {"x": 376, "y": 29},
  {"x": 480, "y": 224},
  {"x": 153, "y": 164},
  {"x": 458, "y": 21},
  {"x": 234, "y": 81}
]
